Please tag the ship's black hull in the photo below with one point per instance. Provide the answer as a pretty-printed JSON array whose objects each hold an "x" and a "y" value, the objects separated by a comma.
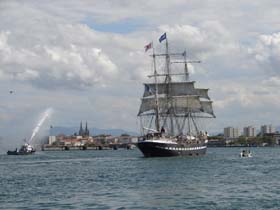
[
  {"x": 19, "y": 153},
  {"x": 25, "y": 149},
  {"x": 154, "y": 149}
]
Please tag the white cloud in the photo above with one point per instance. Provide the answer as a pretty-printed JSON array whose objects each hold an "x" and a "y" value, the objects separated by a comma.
[
  {"x": 272, "y": 81},
  {"x": 53, "y": 46},
  {"x": 266, "y": 52},
  {"x": 3, "y": 40},
  {"x": 27, "y": 74},
  {"x": 63, "y": 62}
]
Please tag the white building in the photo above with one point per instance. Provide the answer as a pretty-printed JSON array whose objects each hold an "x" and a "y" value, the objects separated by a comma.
[
  {"x": 267, "y": 129},
  {"x": 52, "y": 139},
  {"x": 249, "y": 131},
  {"x": 230, "y": 132}
]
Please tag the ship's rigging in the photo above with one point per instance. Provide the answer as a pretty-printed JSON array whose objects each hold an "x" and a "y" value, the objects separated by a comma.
[{"x": 170, "y": 104}]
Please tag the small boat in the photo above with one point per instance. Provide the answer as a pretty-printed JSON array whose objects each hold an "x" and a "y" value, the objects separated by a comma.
[
  {"x": 25, "y": 149},
  {"x": 245, "y": 153}
]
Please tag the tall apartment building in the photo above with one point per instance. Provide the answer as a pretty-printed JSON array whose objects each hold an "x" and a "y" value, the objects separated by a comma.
[
  {"x": 230, "y": 132},
  {"x": 249, "y": 131},
  {"x": 267, "y": 129}
]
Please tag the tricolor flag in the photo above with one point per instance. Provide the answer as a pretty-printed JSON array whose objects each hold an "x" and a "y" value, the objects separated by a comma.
[
  {"x": 162, "y": 37},
  {"x": 148, "y": 46}
]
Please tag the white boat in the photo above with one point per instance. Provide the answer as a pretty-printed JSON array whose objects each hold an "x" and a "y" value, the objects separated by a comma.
[{"x": 245, "y": 153}]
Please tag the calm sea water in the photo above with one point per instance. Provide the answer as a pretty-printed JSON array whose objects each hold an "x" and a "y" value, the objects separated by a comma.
[{"x": 123, "y": 179}]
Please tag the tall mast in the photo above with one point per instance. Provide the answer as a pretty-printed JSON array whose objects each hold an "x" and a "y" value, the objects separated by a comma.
[
  {"x": 168, "y": 78},
  {"x": 187, "y": 79},
  {"x": 156, "y": 91},
  {"x": 168, "y": 81},
  {"x": 186, "y": 65}
]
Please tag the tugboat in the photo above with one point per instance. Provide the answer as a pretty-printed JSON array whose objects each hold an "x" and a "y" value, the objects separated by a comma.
[
  {"x": 170, "y": 109},
  {"x": 25, "y": 149}
]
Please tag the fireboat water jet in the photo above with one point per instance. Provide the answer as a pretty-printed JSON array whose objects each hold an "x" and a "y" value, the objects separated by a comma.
[{"x": 27, "y": 148}]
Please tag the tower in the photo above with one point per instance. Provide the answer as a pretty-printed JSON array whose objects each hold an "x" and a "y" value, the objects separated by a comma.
[
  {"x": 81, "y": 131},
  {"x": 86, "y": 131}
]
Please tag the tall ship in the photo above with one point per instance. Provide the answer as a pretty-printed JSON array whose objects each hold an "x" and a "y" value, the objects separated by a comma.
[{"x": 172, "y": 108}]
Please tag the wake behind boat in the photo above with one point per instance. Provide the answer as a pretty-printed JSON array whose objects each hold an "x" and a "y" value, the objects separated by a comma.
[{"x": 171, "y": 109}]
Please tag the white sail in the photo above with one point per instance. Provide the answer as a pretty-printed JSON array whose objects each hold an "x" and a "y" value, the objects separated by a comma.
[
  {"x": 178, "y": 103},
  {"x": 175, "y": 89},
  {"x": 207, "y": 107},
  {"x": 203, "y": 93}
]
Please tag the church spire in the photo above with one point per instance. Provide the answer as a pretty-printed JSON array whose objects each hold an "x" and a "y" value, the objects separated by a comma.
[
  {"x": 81, "y": 131},
  {"x": 86, "y": 130}
]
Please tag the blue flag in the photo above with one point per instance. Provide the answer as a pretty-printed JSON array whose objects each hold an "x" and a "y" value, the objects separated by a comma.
[{"x": 163, "y": 37}]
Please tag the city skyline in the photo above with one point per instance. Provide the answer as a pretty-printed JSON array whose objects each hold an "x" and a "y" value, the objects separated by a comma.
[
  {"x": 249, "y": 131},
  {"x": 87, "y": 62}
]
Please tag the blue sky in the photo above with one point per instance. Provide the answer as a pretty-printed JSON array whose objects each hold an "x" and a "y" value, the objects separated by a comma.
[
  {"x": 86, "y": 59},
  {"x": 124, "y": 26}
]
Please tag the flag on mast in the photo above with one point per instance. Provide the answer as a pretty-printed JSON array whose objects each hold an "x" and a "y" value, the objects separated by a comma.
[
  {"x": 162, "y": 37},
  {"x": 148, "y": 46}
]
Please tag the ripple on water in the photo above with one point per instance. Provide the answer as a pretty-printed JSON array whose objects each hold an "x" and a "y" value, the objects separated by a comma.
[{"x": 125, "y": 180}]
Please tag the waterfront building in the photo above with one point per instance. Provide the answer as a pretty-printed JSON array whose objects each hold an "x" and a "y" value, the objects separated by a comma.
[
  {"x": 249, "y": 131},
  {"x": 52, "y": 139},
  {"x": 275, "y": 137},
  {"x": 267, "y": 129},
  {"x": 216, "y": 143},
  {"x": 230, "y": 132},
  {"x": 70, "y": 140},
  {"x": 127, "y": 139}
]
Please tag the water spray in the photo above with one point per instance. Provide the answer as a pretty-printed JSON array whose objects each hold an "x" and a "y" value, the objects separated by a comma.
[{"x": 48, "y": 112}]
